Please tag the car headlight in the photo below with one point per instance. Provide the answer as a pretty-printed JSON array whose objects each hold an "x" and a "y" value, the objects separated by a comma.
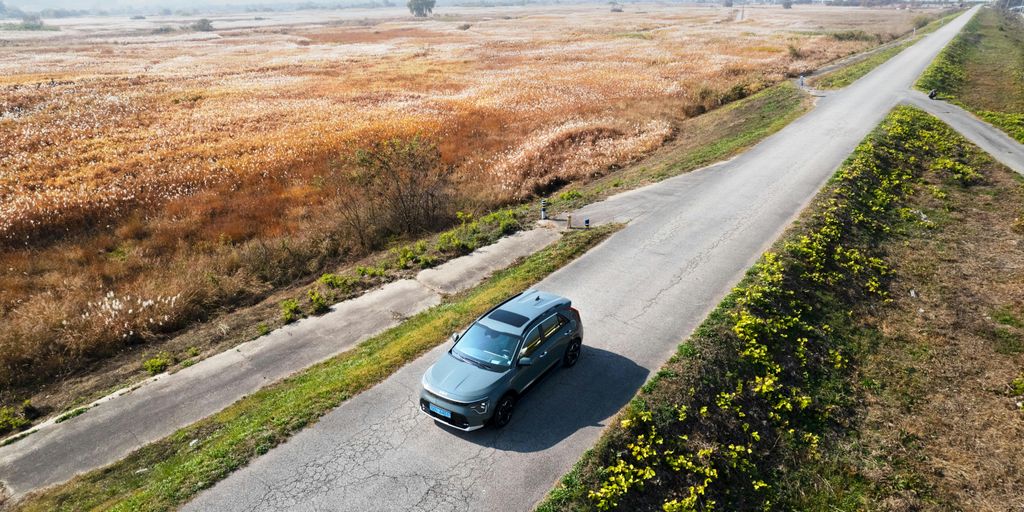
[{"x": 480, "y": 407}]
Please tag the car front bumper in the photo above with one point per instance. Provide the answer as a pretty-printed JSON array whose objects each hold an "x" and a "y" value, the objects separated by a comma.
[{"x": 463, "y": 417}]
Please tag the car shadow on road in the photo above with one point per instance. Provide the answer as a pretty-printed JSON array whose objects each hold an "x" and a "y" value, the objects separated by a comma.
[{"x": 564, "y": 401}]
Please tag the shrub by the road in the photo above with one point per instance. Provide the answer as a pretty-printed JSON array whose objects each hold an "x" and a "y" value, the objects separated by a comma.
[{"x": 158, "y": 364}]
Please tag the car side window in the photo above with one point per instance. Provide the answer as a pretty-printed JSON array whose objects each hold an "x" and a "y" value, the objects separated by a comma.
[
  {"x": 533, "y": 340},
  {"x": 551, "y": 325}
]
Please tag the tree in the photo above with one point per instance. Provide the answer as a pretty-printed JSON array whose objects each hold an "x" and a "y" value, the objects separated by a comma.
[
  {"x": 393, "y": 187},
  {"x": 31, "y": 22},
  {"x": 203, "y": 25},
  {"x": 787, "y": 4},
  {"x": 421, "y": 8},
  {"x": 726, "y": 3}
]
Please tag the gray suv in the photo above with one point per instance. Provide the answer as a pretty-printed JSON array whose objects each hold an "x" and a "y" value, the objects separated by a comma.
[{"x": 500, "y": 355}]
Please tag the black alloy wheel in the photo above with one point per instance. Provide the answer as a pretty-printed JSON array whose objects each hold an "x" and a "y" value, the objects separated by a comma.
[
  {"x": 572, "y": 353},
  {"x": 503, "y": 412}
]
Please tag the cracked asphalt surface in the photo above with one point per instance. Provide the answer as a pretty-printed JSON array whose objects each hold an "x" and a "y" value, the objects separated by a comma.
[{"x": 688, "y": 241}]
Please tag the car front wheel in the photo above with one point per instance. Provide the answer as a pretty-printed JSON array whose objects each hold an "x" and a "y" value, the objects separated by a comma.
[
  {"x": 503, "y": 412},
  {"x": 572, "y": 353}
]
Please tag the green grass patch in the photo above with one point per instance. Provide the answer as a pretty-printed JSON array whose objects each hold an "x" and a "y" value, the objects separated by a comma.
[
  {"x": 848, "y": 74},
  {"x": 747, "y": 400},
  {"x": 177, "y": 470},
  {"x": 1007, "y": 316},
  {"x": 74, "y": 413},
  {"x": 759, "y": 116},
  {"x": 1007, "y": 341},
  {"x": 1012, "y": 123}
]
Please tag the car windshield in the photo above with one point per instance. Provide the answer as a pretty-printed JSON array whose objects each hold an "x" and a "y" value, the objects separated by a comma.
[{"x": 482, "y": 344}]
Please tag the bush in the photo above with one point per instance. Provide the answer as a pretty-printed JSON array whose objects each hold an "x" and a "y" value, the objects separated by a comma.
[
  {"x": 787, "y": 4},
  {"x": 11, "y": 421},
  {"x": 158, "y": 364},
  {"x": 336, "y": 282},
  {"x": 289, "y": 310},
  {"x": 570, "y": 195},
  {"x": 317, "y": 301},
  {"x": 393, "y": 187},
  {"x": 411, "y": 255},
  {"x": 427, "y": 261},
  {"x": 372, "y": 271},
  {"x": 203, "y": 25}
]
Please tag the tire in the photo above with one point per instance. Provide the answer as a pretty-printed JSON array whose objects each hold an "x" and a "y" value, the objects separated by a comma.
[
  {"x": 503, "y": 411},
  {"x": 572, "y": 353}
]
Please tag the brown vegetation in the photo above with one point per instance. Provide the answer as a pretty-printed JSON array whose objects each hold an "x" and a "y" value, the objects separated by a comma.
[
  {"x": 146, "y": 186},
  {"x": 942, "y": 428}
]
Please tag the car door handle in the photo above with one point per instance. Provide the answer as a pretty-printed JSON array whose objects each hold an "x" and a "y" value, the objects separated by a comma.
[{"x": 544, "y": 354}]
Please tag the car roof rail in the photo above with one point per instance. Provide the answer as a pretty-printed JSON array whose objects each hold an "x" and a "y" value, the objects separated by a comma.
[{"x": 502, "y": 303}]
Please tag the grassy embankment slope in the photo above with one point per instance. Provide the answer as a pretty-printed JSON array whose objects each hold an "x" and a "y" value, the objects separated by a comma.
[
  {"x": 982, "y": 70},
  {"x": 822, "y": 382}
]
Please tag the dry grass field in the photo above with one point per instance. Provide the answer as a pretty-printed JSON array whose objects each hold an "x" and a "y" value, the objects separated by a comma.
[{"x": 151, "y": 179}]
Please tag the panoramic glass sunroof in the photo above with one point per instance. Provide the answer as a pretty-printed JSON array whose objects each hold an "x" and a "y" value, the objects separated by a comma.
[{"x": 508, "y": 317}]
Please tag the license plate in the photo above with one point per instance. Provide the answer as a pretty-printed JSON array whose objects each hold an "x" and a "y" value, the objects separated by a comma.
[{"x": 440, "y": 411}]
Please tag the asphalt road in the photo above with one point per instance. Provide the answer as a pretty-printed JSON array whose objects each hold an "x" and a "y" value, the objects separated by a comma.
[{"x": 640, "y": 293}]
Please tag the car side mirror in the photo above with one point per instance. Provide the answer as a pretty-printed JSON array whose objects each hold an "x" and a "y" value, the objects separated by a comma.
[
  {"x": 525, "y": 361},
  {"x": 455, "y": 337}
]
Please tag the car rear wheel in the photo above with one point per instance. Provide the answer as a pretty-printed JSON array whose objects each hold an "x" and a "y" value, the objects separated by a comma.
[
  {"x": 503, "y": 412},
  {"x": 572, "y": 353}
]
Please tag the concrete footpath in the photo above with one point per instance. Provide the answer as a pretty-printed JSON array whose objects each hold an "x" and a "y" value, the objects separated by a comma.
[{"x": 121, "y": 422}]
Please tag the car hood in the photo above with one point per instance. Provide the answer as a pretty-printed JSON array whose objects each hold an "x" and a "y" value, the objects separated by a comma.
[{"x": 459, "y": 381}]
